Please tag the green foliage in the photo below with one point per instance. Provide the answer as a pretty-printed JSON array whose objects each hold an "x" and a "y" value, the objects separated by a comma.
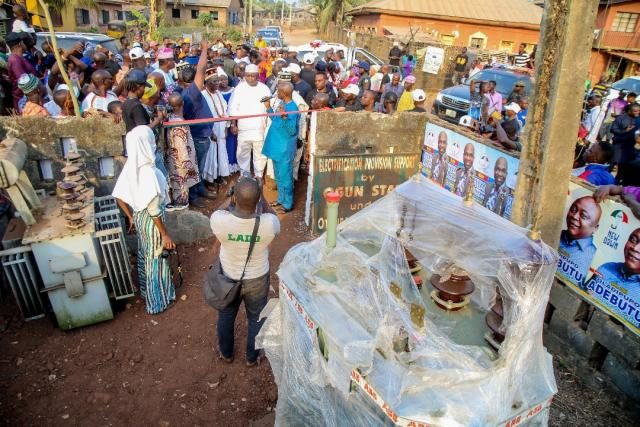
[
  {"x": 61, "y": 4},
  {"x": 332, "y": 11},
  {"x": 206, "y": 20}
]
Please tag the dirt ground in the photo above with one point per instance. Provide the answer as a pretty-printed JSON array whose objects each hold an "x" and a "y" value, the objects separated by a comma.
[{"x": 162, "y": 370}]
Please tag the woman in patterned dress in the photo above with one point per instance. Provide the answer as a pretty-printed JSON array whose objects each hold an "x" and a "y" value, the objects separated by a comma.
[
  {"x": 181, "y": 157},
  {"x": 141, "y": 193}
]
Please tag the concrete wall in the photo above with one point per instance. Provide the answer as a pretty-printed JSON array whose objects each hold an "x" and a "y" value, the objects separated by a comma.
[{"x": 98, "y": 138}]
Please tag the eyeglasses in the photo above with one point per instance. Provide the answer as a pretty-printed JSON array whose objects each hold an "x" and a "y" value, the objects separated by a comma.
[{"x": 519, "y": 85}]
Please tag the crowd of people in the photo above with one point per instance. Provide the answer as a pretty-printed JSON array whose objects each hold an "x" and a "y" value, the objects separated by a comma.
[{"x": 609, "y": 137}]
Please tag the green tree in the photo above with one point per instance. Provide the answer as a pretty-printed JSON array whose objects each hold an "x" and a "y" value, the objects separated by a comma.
[
  {"x": 206, "y": 20},
  {"x": 332, "y": 11}
]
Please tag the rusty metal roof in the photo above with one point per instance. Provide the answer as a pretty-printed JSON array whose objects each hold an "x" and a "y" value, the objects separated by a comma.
[{"x": 479, "y": 11}]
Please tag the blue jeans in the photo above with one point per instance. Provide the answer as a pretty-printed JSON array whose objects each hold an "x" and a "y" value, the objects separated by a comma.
[
  {"x": 202, "y": 148},
  {"x": 254, "y": 293}
]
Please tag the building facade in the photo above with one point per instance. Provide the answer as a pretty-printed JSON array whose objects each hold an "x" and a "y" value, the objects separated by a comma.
[
  {"x": 188, "y": 11},
  {"x": 616, "y": 41},
  {"x": 481, "y": 24}
]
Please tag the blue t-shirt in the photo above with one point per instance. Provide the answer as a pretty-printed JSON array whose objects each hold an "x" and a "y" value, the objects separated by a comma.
[
  {"x": 201, "y": 111},
  {"x": 597, "y": 174}
]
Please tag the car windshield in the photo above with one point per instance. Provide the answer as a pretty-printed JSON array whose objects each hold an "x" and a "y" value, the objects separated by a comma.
[
  {"x": 504, "y": 81},
  {"x": 628, "y": 84},
  {"x": 268, "y": 33},
  {"x": 69, "y": 42}
]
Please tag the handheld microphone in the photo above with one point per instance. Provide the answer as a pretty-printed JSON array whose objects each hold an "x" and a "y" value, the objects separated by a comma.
[{"x": 267, "y": 98}]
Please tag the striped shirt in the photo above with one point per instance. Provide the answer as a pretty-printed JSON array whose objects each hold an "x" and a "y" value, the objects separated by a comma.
[{"x": 521, "y": 59}]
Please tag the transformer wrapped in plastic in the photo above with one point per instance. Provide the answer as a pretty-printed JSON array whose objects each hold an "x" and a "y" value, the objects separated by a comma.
[{"x": 353, "y": 341}]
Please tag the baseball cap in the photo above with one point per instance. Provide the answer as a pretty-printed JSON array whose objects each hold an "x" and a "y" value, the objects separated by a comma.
[
  {"x": 137, "y": 76},
  {"x": 308, "y": 58},
  {"x": 251, "y": 68},
  {"x": 512, "y": 107},
  {"x": 364, "y": 64},
  {"x": 321, "y": 66},
  {"x": 165, "y": 53},
  {"x": 294, "y": 68},
  {"x": 136, "y": 53},
  {"x": 352, "y": 89},
  {"x": 13, "y": 39},
  {"x": 418, "y": 95}
]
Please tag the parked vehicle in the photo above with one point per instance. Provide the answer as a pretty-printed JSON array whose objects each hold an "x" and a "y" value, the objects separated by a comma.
[
  {"x": 275, "y": 28},
  {"x": 116, "y": 29},
  {"x": 269, "y": 35},
  {"x": 67, "y": 40},
  {"x": 454, "y": 102},
  {"x": 351, "y": 55}
]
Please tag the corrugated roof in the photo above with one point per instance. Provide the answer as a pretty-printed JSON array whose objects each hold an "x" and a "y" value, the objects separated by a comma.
[
  {"x": 508, "y": 11},
  {"x": 209, "y": 3}
]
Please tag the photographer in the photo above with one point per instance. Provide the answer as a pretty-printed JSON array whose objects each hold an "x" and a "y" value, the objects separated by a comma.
[{"x": 245, "y": 231}]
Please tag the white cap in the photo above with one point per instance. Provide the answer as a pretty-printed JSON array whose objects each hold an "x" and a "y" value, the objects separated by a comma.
[
  {"x": 352, "y": 89},
  {"x": 418, "y": 95},
  {"x": 466, "y": 121},
  {"x": 251, "y": 68},
  {"x": 294, "y": 68},
  {"x": 308, "y": 58},
  {"x": 220, "y": 72},
  {"x": 512, "y": 107},
  {"x": 136, "y": 53}
]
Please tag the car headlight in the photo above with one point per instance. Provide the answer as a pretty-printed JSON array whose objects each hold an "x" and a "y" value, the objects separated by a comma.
[{"x": 439, "y": 97}]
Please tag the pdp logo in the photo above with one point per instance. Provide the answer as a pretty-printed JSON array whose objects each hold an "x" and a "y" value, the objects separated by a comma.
[{"x": 619, "y": 216}]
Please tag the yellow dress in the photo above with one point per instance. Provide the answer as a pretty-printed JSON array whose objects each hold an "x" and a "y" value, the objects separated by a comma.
[{"x": 405, "y": 103}]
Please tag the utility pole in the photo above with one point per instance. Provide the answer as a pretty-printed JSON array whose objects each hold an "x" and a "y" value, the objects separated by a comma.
[
  {"x": 250, "y": 16},
  {"x": 552, "y": 123},
  {"x": 282, "y": 15}
]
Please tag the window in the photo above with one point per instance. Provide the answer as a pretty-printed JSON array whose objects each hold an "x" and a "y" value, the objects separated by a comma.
[
  {"x": 214, "y": 15},
  {"x": 104, "y": 14},
  {"x": 119, "y": 15},
  {"x": 476, "y": 43},
  {"x": 56, "y": 17},
  {"x": 625, "y": 22},
  {"x": 82, "y": 17},
  {"x": 507, "y": 45},
  {"x": 175, "y": 13},
  {"x": 194, "y": 13}
]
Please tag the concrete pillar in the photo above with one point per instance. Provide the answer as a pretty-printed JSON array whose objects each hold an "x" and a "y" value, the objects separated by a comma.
[{"x": 552, "y": 123}]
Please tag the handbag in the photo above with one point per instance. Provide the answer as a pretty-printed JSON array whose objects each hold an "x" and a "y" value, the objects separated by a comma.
[{"x": 218, "y": 289}]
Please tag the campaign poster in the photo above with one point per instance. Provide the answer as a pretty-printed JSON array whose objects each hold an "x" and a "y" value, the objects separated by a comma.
[
  {"x": 462, "y": 165},
  {"x": 433, "y": 59},
  {"x": 600, "y": 254}
]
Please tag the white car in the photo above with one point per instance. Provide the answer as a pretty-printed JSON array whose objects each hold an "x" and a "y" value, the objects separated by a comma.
[
  {"x": 628, "y": 84},
  {"x": 352, "y": 55}
]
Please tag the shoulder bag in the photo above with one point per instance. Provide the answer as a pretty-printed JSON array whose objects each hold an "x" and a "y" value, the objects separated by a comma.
[{"x": 219, "y": 290}]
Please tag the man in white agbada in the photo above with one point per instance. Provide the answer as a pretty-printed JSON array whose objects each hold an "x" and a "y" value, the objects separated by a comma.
[
  {"x": 217, "y": 162},
  {"x": 285, "y": 76},
  {"x": 246, "y": 101}
]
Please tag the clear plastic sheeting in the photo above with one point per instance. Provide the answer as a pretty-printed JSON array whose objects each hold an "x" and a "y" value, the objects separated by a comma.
[{"x": 354, "y": 342}]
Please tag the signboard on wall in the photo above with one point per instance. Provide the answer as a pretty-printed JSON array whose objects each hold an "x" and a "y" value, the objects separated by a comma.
[
  {"x": 433, "y": 59},
  {"x": 360, "y": 179},
  {"x": 600, "y": 254},
  {"x": 461, "y": 164}
]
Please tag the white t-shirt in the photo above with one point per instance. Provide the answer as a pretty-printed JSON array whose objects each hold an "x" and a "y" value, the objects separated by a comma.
[
  {"x": 19, "y": 26},
  {"x": 95, "y": 102},
  {"x": 234, "y": 235}
]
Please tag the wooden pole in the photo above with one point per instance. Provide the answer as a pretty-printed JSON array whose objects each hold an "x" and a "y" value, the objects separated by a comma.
[{"x": 552, "y": 123}]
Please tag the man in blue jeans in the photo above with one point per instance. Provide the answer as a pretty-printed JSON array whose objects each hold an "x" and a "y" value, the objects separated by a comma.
[
  {"x": 234, "y": 228},
  {"x": 192, "y": 82}
]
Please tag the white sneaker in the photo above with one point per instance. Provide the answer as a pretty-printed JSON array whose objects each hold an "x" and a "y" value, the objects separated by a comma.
[{"x": 176, "y": 207}]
